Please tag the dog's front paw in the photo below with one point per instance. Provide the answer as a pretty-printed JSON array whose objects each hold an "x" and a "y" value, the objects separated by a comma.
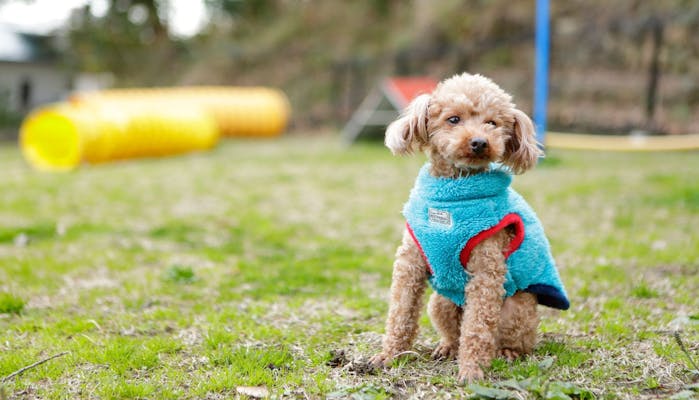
[
  {"x": 469, "y": 373},
  {"x": 510, "y": 354},
  {"x": 382, "y": 359},
  {"x": 445, "y": 351}
]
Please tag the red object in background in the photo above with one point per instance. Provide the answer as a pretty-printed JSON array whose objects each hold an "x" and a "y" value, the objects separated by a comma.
[
  {"x": 401, "y": 91},
  {"x": 384, "y": 104}
]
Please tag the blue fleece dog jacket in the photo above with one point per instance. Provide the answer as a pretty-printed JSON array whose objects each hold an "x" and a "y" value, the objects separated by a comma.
[{"x": 448, "y": 217}]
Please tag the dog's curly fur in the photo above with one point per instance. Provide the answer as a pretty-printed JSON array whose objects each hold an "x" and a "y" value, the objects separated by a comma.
[{"x": 464, "y": 125}]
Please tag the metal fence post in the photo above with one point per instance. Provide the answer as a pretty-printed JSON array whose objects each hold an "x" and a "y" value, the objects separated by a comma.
[{"x": 542, "y": 39}]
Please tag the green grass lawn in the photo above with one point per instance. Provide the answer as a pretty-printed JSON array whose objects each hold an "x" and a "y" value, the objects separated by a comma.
[{"x": 267, "y": 264}]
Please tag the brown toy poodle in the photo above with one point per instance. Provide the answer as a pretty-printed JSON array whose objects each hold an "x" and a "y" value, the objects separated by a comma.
[{"x": 468, "y": 233}]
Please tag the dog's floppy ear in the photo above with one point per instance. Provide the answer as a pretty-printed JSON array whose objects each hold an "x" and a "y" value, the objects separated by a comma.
[
  {"x": 522, "y": 150},
  {"x": 410, "y": 129}
]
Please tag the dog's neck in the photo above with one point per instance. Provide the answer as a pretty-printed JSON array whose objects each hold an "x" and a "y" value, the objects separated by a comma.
[{"x": 445, "y": 169}]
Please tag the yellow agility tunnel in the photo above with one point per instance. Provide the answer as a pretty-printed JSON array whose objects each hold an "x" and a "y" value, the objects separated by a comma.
[{"x": 128, "y": 123}]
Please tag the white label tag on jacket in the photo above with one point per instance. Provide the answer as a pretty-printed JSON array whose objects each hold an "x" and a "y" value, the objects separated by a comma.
[{"x": 439, "y": 217}]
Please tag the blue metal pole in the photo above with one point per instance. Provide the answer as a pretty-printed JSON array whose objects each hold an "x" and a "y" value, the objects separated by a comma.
[{"x": 541, "y": 74}]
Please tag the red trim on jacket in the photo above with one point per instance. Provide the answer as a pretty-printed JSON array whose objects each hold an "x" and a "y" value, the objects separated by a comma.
[
  {"x": 511, "y": 219},
  {"x": 419, "y": 247}
]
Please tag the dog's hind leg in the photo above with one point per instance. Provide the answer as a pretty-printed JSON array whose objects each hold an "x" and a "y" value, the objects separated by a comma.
[
  {"x": 518, "y": 324},
  {"x": 407, "y": 290},
  {"x": 446, "y": 318}
]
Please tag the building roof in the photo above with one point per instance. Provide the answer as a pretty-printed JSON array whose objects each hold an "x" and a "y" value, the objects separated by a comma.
[{"x": 22, "y": 47}]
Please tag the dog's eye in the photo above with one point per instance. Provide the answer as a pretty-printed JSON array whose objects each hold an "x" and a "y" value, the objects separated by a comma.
[
  {"x": 453, "y": 120},
  {"x": 491, "y": 123}
]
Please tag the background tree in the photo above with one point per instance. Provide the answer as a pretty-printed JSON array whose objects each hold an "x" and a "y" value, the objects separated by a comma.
[{"x": 132, "y": 40}]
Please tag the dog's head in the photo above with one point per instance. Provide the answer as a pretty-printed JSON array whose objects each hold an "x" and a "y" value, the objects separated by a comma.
[{"x": 465, "y": 124}]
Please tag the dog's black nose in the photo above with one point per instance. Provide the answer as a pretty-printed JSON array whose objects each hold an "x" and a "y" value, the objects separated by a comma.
[{"x": 478, "y": 145}]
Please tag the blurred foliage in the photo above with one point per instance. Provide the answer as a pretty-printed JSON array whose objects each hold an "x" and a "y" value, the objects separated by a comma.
[
  {"x": 600, "y": 52},
  {"x": 131, "y": 40},
  {"x": 242, "y": 8}
]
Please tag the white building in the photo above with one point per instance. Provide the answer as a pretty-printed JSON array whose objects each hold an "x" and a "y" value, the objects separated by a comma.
[{"x": 30, "y": 71}]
